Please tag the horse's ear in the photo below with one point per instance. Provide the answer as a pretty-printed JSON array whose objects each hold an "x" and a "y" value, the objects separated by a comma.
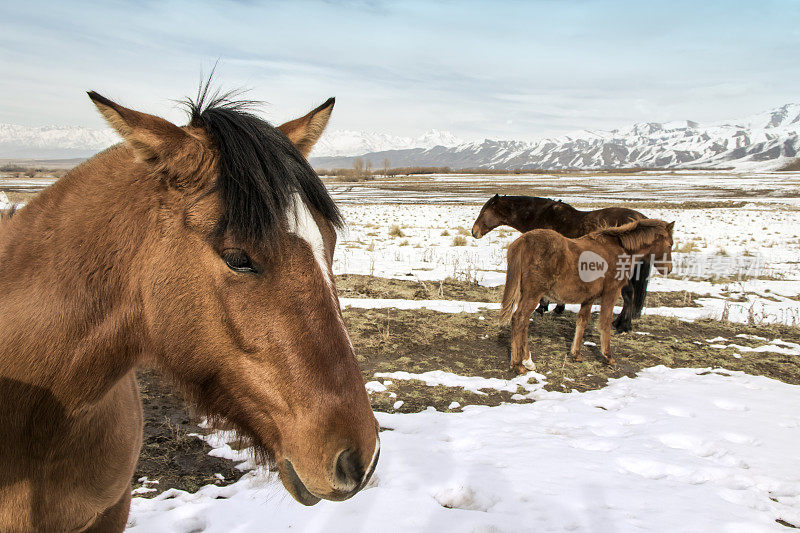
[
  {"x": 152, "y": 138},
  {"x": 305, "y": 131},
  {"x": 670, "y": 226},
  {"x": 496, "y": 196}
]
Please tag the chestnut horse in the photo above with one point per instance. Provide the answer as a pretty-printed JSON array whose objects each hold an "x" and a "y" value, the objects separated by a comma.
[
  {"x": 525, "y": 213},
  {"x": 543, "y": 262},
  {"x": 206, "y": 251}
]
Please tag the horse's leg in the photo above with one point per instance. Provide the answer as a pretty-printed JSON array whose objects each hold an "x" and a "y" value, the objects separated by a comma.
[
  {"x": 543, "y": 305},
  {"x": 520, "y": 321},
  {"x": 623, "y": 321},
  {"x": 580, "y": 326},
  {"x": 559, "y": 309},
  {"x": 604, "y": 323},
  {"x": 642, "y": 279},
  {"x": 114, "y": 518}
]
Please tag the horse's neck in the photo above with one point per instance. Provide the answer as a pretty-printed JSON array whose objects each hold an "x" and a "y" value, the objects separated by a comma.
[
  {"x": 521, "y": 214},
  {"x": 536, "y": 214},
  {"x": 66, "y": 305}
]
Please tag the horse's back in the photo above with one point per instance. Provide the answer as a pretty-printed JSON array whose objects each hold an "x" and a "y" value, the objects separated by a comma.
[
  {"x": 609, "y": 217},
  {"x": 540, "y": 239},
  {"x": 545, "y": 249}
]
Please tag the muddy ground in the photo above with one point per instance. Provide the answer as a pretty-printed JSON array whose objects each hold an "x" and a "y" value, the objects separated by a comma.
[
  {"x": 468, "y": 344},
  {"x": 171, "y": 453},
  {"x": 360, "y": 286}
]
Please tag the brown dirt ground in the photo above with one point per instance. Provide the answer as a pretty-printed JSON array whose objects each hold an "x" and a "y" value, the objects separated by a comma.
[
  {"x": 360, "y": 286},
  {"x": 171, "y": 453}
]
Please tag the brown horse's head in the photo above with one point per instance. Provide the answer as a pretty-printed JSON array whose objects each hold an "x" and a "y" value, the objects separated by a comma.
[
  {"x": 661, "y": 252},
  {"x": 645, "y": 238},
  {"x": 236, "y": 289},
  {"x": 487, "y": 219}
]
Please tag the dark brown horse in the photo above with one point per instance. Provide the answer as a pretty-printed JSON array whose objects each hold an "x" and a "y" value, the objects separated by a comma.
[
  {"x": 204, "y": 251},
  {"x": 545, "y": 263},
  {"x": 525, "y": 213}
]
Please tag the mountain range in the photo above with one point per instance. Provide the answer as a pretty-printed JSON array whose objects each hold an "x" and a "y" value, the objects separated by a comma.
[{"x": 764, "y": 141}]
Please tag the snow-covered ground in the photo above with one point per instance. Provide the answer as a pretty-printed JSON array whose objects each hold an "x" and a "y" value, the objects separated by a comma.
[
  {"x": 755, "y": 250},
  {"x": 757, "y": 188},
  {"x": 671, "y": 450}
]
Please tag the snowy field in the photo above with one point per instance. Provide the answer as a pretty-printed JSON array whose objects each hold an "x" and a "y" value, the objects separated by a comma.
[
  {"x": 580, "y": 187},
  {"x": 670, "y": 449},
  {"x": 745, "y": 260}
]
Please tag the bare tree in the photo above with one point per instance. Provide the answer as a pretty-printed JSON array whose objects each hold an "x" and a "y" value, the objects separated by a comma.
[
  {"x": 358, "y": 167},
  {"x": 386, "y": 164}
]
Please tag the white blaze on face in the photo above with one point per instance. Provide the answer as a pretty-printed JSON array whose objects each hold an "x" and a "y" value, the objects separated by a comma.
[{"x": 302, "y": 223}]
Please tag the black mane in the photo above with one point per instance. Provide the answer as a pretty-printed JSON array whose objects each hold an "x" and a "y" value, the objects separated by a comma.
[{"x": 259, "y": 169}]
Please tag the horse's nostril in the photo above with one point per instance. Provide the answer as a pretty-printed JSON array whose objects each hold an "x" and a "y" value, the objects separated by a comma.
[{"x": 349, "y": 470}]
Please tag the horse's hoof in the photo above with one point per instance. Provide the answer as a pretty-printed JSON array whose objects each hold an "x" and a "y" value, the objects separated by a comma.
[
  {"x": 539, "y": 310},
  {"x": 558, "y": 310},
  {"x": 519, "y": 369},
  {"x": 623, "y": 327},
  {"x": 610, "y": 361},
  {"x": 529, "y": 364},
  {"x": 577, "y": 357}
]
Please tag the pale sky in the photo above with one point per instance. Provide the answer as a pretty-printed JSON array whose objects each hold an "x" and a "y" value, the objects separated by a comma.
[{"x": 502, "y": 69}]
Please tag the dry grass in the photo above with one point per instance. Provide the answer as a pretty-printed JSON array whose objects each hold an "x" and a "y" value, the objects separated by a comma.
[
  {"x": 423, "y": 340},
  {"x": 686, "y": 247},
  {"x": 360, "y": 286}
]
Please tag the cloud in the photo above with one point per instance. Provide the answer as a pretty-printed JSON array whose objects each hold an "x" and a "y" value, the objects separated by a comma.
[{"x": 516, "y": 69}]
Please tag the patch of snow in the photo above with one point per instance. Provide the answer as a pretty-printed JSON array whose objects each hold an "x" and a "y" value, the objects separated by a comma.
[
  {"x": 670, "y": 450},
  {"x": 470, "y": 383},
  {"x": 375, "y": 386}
]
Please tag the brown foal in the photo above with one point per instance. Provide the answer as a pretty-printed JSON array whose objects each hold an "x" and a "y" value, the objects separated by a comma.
[
  {"x": 525, "y": 213},
  {"x": 545, "y": 263},
  {"x": 202, "y": 250}
]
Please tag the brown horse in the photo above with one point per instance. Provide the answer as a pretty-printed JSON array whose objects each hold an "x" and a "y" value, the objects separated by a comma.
[
  {"x": 205, "y": 251},
  {"x": 543, "y": 262},
  {"x": 525, "y": 213}
]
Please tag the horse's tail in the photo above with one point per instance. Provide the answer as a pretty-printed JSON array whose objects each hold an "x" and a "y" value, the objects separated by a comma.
[
  {"x": 640, "y": 279},
  {"x": 511, "y": 292}
]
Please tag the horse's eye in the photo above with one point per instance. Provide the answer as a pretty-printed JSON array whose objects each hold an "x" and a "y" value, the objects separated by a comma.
[{"x": 238, "y": 260}]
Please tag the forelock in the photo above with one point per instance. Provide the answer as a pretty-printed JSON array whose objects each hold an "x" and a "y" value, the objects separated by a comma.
[{"x": 260, "y": 171}]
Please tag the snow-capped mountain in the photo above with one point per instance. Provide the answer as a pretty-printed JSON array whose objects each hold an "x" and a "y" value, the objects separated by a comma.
[
  {"x": 53, "y": 142},
  {"x": 764, "y": 141},
  {"x": 347, "y": 143}
]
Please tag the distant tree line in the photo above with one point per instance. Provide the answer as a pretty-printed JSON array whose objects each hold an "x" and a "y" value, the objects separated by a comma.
[
  {"x": 362, "y": 170},
  {"x": 19, "y": 171}
]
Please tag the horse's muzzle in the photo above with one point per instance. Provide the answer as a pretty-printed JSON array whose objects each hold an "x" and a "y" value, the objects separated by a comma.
[{"x": 349, "y": 476}]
